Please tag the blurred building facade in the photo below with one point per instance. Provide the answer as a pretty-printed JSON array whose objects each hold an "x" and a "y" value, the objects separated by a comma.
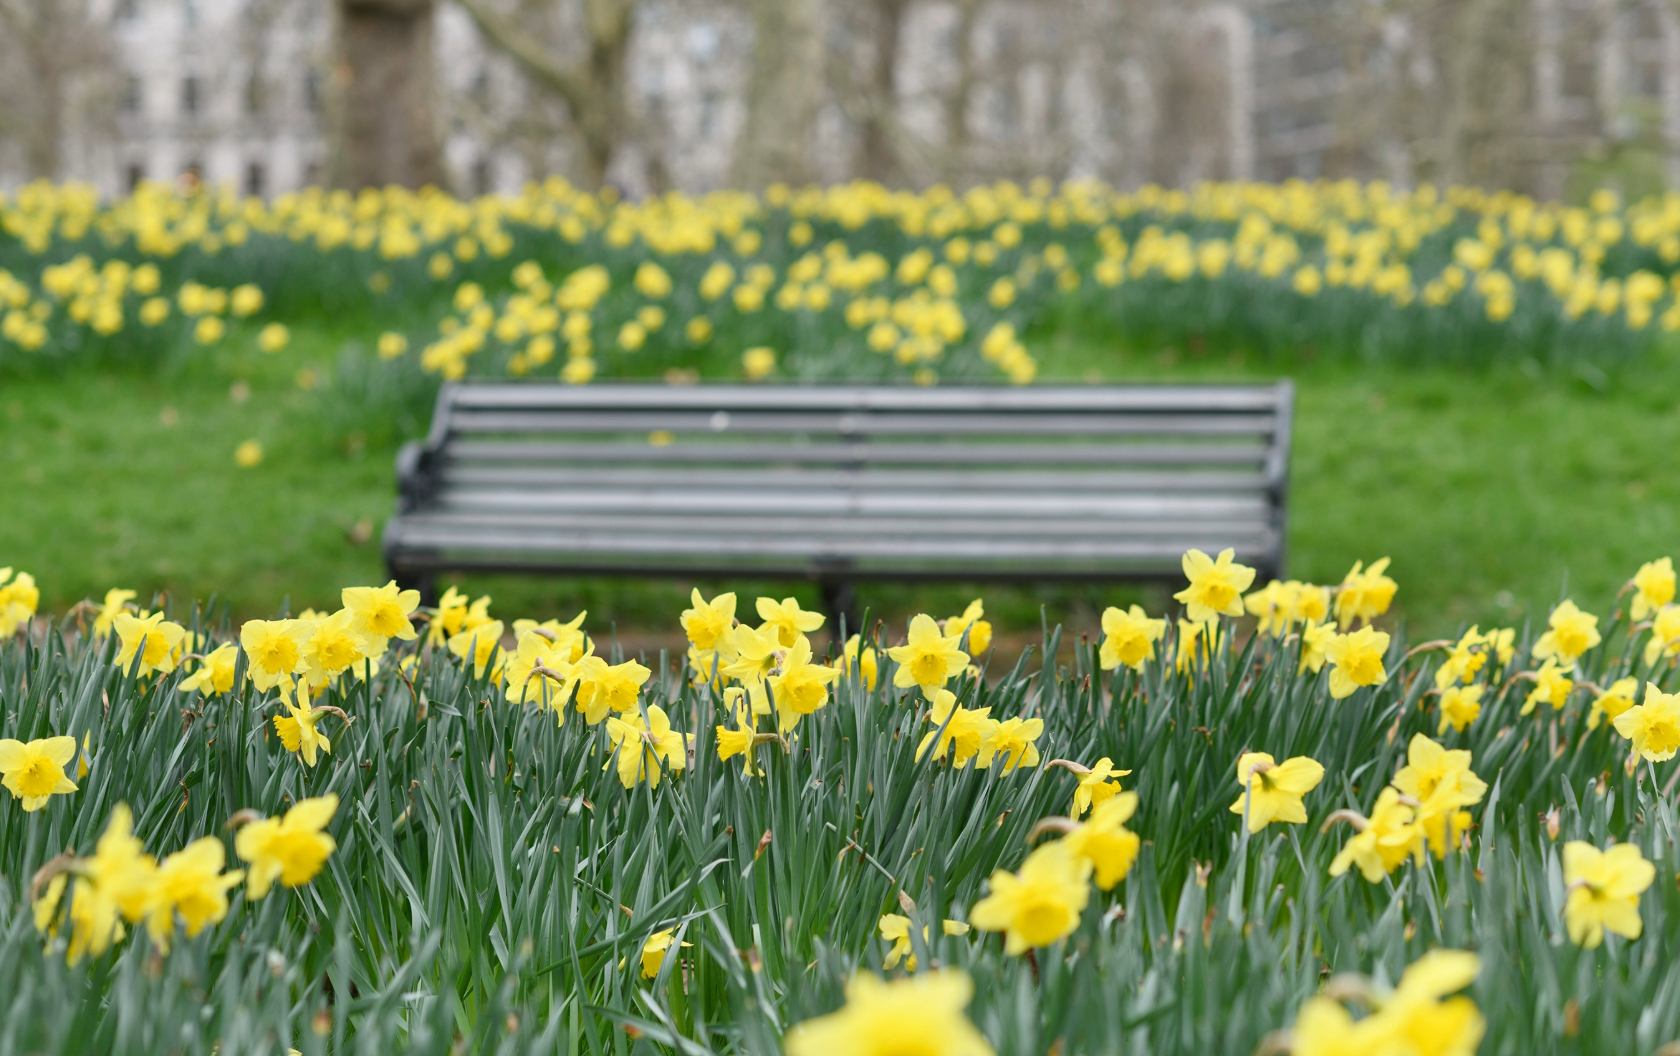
[{"x": 1521, "y": 93}]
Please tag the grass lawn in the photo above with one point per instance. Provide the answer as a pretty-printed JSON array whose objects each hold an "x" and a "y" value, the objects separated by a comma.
[{"x": 1491, "y": 491}]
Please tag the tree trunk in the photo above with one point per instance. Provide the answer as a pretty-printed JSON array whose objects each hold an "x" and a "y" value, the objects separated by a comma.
[
  {"x": 386, "y": 120},
  {"x": 880, "y": 159},
  {"x": 783, "y": 92}
]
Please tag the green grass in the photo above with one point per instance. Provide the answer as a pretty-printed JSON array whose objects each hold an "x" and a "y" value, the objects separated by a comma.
[{"x": 1488, "y": 489}]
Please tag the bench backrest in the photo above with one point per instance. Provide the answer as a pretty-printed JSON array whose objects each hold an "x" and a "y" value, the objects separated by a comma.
[{"x": 1106, "y": 477}]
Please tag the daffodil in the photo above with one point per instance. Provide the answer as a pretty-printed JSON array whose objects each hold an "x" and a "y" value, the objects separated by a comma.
[
  {"x": 189, "y": 884},
  {"x": 604, "y": 687},
  {"x": 1569, "y": 633},
  {"x": 896, "y": 930},
  {"x": 379, "y": 614},
  {"x": 1095, "y": 788},
  {"x": 152, "y": 639},
  {"x": 706, "y": 621},
  {"x": 1466, "y": 658},
  {"x": 116, "y": 601},
  {"x": 481, "y": 646},
  {"x": 1105, "y": 842},
  {"x": 1040, "y": 904},
  {"x": 1420, "y": 1021},
  {"x": 1604, "y": 889},
  {"x": 1610, "y": 703},
  {"x": 1357, "y": 657},
  {"x": 979, "y": 631},
  {"x": 1653, "y": 725},
  {"x": 274, "y": 650},
  {"x": 1315, "y": 640},
  {"x": 786, "y": 619},
  {"x": 113, "y": 885},
  {"x": 1382, "y": 841},
  {"x": 34, "y": 772},
  {"x": 1273, "y": 790},
  {"x": 1196, "y": 641},
  {"x": 297, "y": 729},
  {"x": 1365, "y": 593},
  {"x": 1216, "y": 585},
  {"x": 540, "y": 671},
  {"x": 918, "y": 1015},
  {"x": 958, "y": 728},
  {"x": 215, "y": 672},
  {"x": 643, "y": 747},
  {"x": 653, "y": 951},
  {"x": 1012, "y": 742},
  {"x": 1653, "y": 588},
  {"x": 928, "y": 659},
  {"x": 1552, "y": 685},
  {"x": 800, "y": 687},
  {"x": 1460, "y": 706},
  {"x": 334, "y": 647},
  {"x": 1665, "y": 635},
  {"x": 855, "y": 659},
  {"x": 1129, "y": 638},
  {"x": 18, "y": 600},
  {"x": 290, "y": 849}
]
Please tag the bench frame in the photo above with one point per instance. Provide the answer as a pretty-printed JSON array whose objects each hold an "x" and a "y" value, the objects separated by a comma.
[{"x": 419, "y": 465}]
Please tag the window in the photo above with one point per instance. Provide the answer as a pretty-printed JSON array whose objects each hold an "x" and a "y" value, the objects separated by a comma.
[
  {"x": 131, "y": 96},
  {"x": 480, "y": 90},
  {"x": 256, "y": 179},
  {"x": 254, "y": 95},
  {"x": 135, "y": 173},
  {"x": 189, "y": 95},
  {"x": 312, "y": 91},
  {"x": 189, "y": 13},
  {"x": 128, "y": 10},
  {"x": 481, "y": 176}
]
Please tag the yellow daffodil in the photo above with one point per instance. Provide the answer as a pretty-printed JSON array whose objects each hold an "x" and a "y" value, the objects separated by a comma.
[
  {"x": 979, "y": 630},
  {"x": 1604, "y": 889},
  {"x": 1365, "y": 593},
  {"x": 1419, "y": 1020},
  {"x": 1665, "y": 634},
  {"x": 928, "y": 659},
  {"x": 707, "y": 621},
  {"x": 1610, "y": 703},
  {"x": 215, "y": 672},
  {"x": 540, "y": 671},
  {"x": 918, "y": 1015},
  {"x": 1196, "y": 641},
  {"x": 1653, "y": 725},
  {"x": 113, "y": 885},
  {"x": 642, "y": 747},
  {"x": 34, "y": 772},
  {"x": 1570, "y": 632},
  {"x": 153, "y": 639},
  {"x": 855, "y": 658},
  {"x": 1440, "y": 782},
  {"x": 1105, "y": 842},
  {"x": 800, "y": 687},
  {"x": 786, "y": 619},
  {"x": 190, "y": 884},
  {"x": 965, "y": 730},
  {"x": 379, "y": 614},
  {"x": 1216, "y": 586},
  {"x": 297, "y": 729},
  {"x": 274, "y": 650},
  {"x": 1273, "y": 790},
  {"x": 1552, "y": 685},
  {"x": 1358, "y": 659},
  {"x": 1468, "y": 655},
  {"x": 603, "y": 687},
  {"x": 1095, "y": 788},
  {"x": 116, "y": 601},
  {"x": 896, "y": 930},
  {"x": 1653, "y": 588},
  {"x": 290, "y": 849},
  {"x": 480, "y": 646},
  {"x": 1460, "y": 706},
  {"x": 653, "y": 951},
  {"x": 1129, "y": 638},
  {"x": 334, "y": 647},
  {"x": 18, "y": 600},
  {"x": 1382, "y": 841},
  {"x": 1012, "y": 742},
  {"x": 1316, "y": 637},
  {"x": 1040, "y": 904}
]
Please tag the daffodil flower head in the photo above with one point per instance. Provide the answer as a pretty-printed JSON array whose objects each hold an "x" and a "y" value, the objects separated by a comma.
[
  {"x": 480, "y": 646},
  {"x": 335, "y": 647},
  {"x": 1653, "y": 588},
  {"x": 1358, "y": 659},
  {"x": 896, "y": 930},
  {"x": 1665, "y": 634},
  {"x": 1604, "y": 889},
  {"x": 116, "y": 601},
  {"x": 1383, "y": 841},
  {"x": 1216, "y": 585},
  {"x": 786, "y": 619},
  {"x": 274, "y": 650},
  {"x": 1129, "y": 638},
  {"x": 855, "y": 659},
  {"x": 1460, "y": 706},
  {"x": 297, "y": 728},
  {"x": 965, "y": 730},
  {"x": 151, "y": 641},
  {"x": 707, "y": 621},
  {"x": 801, "y": 687},
  {"x": 979, "y": 631},
  {"x": 642, "y": 747},
  {"x": 1105, "y": 841},
  {"x": 603, "y": 688},
  {"x": 1095, "y": 787},
  {"x": 34, "y": 772},
  {"x": 190, "y": 884},
  {"x": 1274, "y": 790},
  {"x": 1613, "y": 701},
  {"x": 1569, "y": 633},
  {"x": 1012, "y": 742},
  {"x": 928, "y": 658},
  {"x": 290, "y": 849},
  {"x": 1653, "y": 725},
  {"x": 18, "y": 600},
  {"x": 918, "y": 1015},
  {"x": 1316, "y": 637},
  {"x": 215, "y": 672},
  {"x": 1365, "y": 593},
  {"x": 1466, "y": 658},
  {"x": 653, "y": 951},
  {"x": 1552, "y": 685},
  {"x": 1040, "y": 904},
  {"x": 380, "y": 614}
]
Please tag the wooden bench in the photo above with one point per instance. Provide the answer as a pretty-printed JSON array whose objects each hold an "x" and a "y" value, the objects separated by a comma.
[{"x": 838, "y": 484}]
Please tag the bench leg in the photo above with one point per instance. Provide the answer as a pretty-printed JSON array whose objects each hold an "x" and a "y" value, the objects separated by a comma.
[{"x": 840, "y": 604}]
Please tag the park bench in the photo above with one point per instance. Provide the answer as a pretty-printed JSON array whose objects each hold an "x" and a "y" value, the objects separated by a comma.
[{"x": 837, "y": 484}]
